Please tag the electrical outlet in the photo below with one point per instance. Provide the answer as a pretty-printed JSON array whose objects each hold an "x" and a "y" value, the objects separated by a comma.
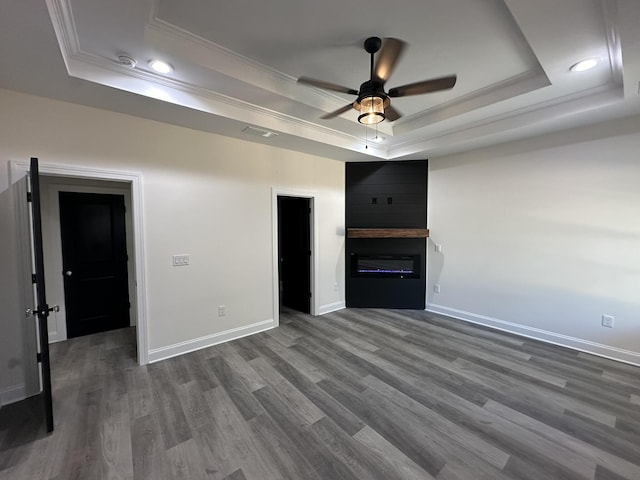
[
  {"x": 438, "y": 248},
  {"x": 436, "y": 288},
  {"x": 607, "y": 321},
  {"x": 222, "y": 311}
]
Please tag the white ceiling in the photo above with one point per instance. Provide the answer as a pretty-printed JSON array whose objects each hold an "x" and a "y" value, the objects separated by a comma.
[{"x": 236, "y": 64}]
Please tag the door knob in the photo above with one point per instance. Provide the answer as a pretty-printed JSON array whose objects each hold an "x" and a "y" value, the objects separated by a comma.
[
  {"x": 34, "y": 311},
  {"x": 68, "y": 273}
]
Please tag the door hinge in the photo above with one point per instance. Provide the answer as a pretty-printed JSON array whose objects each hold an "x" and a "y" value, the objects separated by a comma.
[
  {"x": 39, "y": 357},
  {"x": 310, "y": 295},
  {"x": 29, "y": 197},
  {"x": 34, "y": 278}
]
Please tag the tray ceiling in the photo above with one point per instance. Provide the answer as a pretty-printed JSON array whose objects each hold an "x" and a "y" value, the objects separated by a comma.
[{"x": 235, "y": 64}]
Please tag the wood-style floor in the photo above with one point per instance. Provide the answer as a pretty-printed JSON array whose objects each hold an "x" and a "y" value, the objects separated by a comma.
[{"x": 357, "y": 394}]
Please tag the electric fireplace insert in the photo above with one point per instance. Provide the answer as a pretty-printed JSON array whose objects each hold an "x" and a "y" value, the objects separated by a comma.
[{"x": 385, "y": 266}]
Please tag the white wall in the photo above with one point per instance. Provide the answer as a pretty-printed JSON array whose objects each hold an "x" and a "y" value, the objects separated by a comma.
[
  {"x": 542, "y": 237},
  {"x": 203, "y": 194}
]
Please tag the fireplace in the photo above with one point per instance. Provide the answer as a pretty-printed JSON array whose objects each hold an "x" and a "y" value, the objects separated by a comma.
[
  {"x": 386, "y": 273},
  {"x": 386, "y": 220},
  {"x": 385, "y": 266}
]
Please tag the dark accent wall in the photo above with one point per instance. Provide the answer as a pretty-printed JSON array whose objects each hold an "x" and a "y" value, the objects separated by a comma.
[{"x": 386, "y": 195}]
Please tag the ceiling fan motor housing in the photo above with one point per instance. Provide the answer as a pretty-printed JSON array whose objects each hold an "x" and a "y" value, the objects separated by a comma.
[
  {"x": 371, "y": 88},
  {"x": 372, "y": 44}
]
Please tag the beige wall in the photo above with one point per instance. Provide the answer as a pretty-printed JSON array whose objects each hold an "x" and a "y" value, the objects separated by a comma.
[
  {"x": 542, "y": 237},
  {"x": 203, "y": 194}
]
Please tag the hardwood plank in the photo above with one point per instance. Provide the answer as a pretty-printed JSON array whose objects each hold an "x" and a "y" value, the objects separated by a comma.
[
  {"x": 366, "y": 393},
  {"x": 147, "y": 447},
  {"x": 391, "y": 423},
  {"x": 235, "y": 388},
  {"x": 330, "y": 365},
  {"x": 453, "y": 437},
  {"x": 173, "y": 423},
  {"x": 185, "y": 462},
  {"x": 363, "y": 462},
  {"x": 406, "y": 468},
  {"x": 194, "y": 404},
  {"x": 240, "y": 366},
  {"x": 139, "y": 392},
  {"x": 227, "y": 442},
  {"x": 611, "y": 462},
  {"x": 276, "y": 353},
  {"x": 237, "y": 475},
  {"x": 330, "y": 332},
  {"x": 283, "y": 453},
  {"x": 327, "y": 404},
  {"x": 196, "y": 367},
  {"x": 289, "y": 394},
  {"x": 116, "y": 459},
  {"x": 312, "y": 448},
  {"x": 553, "y": 399},
  {"x": 603, "y": 474}
]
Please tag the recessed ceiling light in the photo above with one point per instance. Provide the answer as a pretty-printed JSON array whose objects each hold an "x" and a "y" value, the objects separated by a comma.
[
  {"x": 160, "y": 66},
  {"x": 586, "y": 64}
]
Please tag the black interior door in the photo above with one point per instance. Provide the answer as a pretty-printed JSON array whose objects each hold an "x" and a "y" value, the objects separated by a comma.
[
  {"x": 42, "y": 308},
  {"x": 94, "y": 258},
  {"x": 294, "y": 250}
]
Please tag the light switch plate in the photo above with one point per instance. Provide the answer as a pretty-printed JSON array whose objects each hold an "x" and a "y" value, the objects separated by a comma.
[{"x": 181, "y": 260}]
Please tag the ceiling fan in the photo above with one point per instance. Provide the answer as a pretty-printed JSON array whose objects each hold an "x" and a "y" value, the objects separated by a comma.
[{"x": 373, "y": 103}]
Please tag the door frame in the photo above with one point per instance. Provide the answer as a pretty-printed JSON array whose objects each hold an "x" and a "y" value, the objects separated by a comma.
[
  {"x": 56, "y": 289},
  {"x": 134, "y": 179},
  {"x": 315, "y": 268}
]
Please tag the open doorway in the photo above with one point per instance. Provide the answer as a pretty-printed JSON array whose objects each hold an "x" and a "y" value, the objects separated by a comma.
[
  {"x": 294, "y": 253},
  {"x": 124, "y": 185},
  {"x": 89, "y": 255}
]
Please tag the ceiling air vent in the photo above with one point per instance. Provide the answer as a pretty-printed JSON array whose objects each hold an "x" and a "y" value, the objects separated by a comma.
[{"x": 258, "y": 132}]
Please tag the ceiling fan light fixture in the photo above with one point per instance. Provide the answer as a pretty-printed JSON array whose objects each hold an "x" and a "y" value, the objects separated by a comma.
[{"x": 371, "y": 110}]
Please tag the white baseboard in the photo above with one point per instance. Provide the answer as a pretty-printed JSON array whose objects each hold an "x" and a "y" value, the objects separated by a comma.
[
  {"x": 599, "y": 349},
  {"x": 12, "y": 394},
  {"x": 162, "y": 353},
  {"x": 332, "y": 307}
]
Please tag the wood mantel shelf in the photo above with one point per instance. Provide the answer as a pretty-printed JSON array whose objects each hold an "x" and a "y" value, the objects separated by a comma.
[{"x": 387, "y": 232}]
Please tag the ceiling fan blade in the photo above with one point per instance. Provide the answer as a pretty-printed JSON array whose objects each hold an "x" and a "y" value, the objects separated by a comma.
[
  {"x": 426, "y": 86},
  {"x": 391, "y": 114},
  {"x": 388, "y": 57},
  {"x": 337, "y": 112},
  {"x": 327, "y": 85}
]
